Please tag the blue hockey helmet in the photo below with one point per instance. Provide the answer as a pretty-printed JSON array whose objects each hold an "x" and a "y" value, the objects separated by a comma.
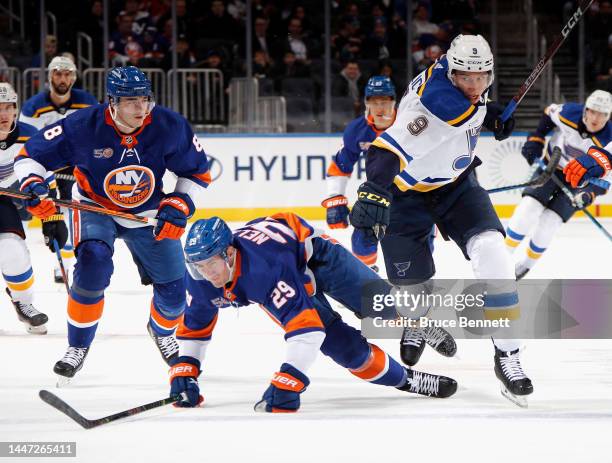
[
  {"x": 127, "y": 81},
  {"x": 379, "y": 86},
  {"x": 207, "y": 238}
]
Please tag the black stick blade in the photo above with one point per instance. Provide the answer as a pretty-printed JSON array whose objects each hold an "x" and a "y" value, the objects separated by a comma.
[{"x": 66, "y": 409}]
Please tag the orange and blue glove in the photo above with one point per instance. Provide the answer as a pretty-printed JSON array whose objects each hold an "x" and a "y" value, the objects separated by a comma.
[
  {"x": 337, "y": 211},
  {"x": 39, "y": 205},
  {"x": 595, "y": 164},
  {"x": 172, "y": 215},
  {"x": 283, "y": 394},
  {"x": 184, "y": 382}
]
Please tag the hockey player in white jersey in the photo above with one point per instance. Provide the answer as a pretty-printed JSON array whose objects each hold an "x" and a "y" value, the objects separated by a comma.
[
  {"x": 48, "y": 107},
  {"x": 15, "y": 263},
  {"x": 420, "y": 172},
  {"x": 576, "y": 127}
]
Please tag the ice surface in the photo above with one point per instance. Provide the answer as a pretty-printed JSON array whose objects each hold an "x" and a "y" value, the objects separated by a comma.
[{"x": 569, "y": 419}]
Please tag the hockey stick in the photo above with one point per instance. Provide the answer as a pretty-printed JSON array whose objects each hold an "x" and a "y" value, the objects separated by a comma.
[
  {"x": 570, "y": 196},
  {"x": 539, "y": 68},
  {"x": 69, "y": 177},
  {"x": 539, "y": 181},
  {"x": 83, "y": 207},
  {"x": 61, "y": 265},
  {"x": 71, "y": 413}
]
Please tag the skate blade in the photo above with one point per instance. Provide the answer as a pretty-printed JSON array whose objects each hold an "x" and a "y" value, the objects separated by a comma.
[
  {"x": 62, "y": 381},
  {"x": 519, "y": 400},
  {"x": 42, "y": 329}
]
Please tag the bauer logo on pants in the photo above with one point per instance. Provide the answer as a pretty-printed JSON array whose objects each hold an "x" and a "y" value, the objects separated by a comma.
[{"x": 129, "y": 186}]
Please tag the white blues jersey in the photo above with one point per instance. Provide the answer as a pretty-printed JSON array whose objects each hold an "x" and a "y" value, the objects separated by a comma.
[
  {"x": 9, "y": 148},
  {"x": 435, "y": 132},
  {"x": 40, "y": 111},
  {"x": 570, "y": 134}
]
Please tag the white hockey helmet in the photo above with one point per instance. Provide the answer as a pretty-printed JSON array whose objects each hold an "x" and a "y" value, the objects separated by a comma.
[
  {"x": 8, "y": 95},
  {"x": 600, "y": 101},
  {"x": 62, "y": 63},
  {"x": 470, "y": 53}
]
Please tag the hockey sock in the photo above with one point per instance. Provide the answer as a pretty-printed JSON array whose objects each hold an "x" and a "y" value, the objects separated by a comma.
[
  {"x": 548, "y": 225},
  {"x": 83, "y": 315},
  {"x": 162, "y": 323},
  {"x": 380, "y": 368},
  {"x": 525, "y": 216},
  {"x": 16, "y": 267}
]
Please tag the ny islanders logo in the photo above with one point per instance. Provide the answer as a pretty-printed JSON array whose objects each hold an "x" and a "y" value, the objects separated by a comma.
[{"x": 129, "y": 186}]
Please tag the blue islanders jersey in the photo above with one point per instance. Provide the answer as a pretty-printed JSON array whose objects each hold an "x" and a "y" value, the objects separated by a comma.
[
  {"x": 570, "y": 133},
  {"x": 435, "y": 131},
  {"x": 117, "y": 171},
  {"x": 270, "y": 270},
  {"x": 40, "y": 111},
  {"x": 9, "y": 148},
  {"x": 356, "y": 139}
]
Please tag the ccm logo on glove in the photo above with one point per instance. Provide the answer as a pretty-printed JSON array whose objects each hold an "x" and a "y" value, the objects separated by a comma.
[{"x": 375, "y": 198}]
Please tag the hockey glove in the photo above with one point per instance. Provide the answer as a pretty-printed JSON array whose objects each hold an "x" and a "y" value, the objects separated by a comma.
[
  {"x": 39, "y": 205},
  {"x": 184, "y": 382},
  {"x": 54, "y": 228},
  {"x": 283, "y": 394},
  {"x": 172, "y": 215},
  {"x": 493, "y": 122},
  {"x": 595, "y": 164},
  {"x": 364, "y": 246},
  {"x": 337, "y": 211},
  {"x": 584, "y": 199},
  {"x": 532, "y": 150},
  {"x": 371, "y": 212}
]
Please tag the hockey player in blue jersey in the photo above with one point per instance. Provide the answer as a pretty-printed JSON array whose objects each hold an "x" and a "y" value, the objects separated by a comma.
[
  {"x": 120, "y": 152},
  {"x": 420, "y": 172},
  {"x": 357, "y": 137},
  {"x": 545, "y": 208},
  {"x": 15, "y": 263},
  {"x": 48, "y": 107},
  {"x": 287, "y": 267}
]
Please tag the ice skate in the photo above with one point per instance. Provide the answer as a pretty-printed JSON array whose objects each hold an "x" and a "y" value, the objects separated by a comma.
[
  {"x": 167, "y": 345},
  {"x": 34, "y": 320},
  {"x": 429, "y": 385},
  {"x": 515, "y": 385},
  {"x": 412, "y": 345},
  {"x": 70, "y": 364},
  {"x": 440, "y": 340}
]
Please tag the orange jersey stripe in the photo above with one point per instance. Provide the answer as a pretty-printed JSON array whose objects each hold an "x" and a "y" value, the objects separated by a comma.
[
  {"x": 205, "y": 177},
  {"x": 84, "y": 313},
  {"x": 370, "y": 259},
  {"x": 183, "y": 332},
  {"x": 334, "y": 171},
  {"x": 307, "y": 318},
  {"x": 374, "y": 365},
  {"x": 294, "y": 223}
]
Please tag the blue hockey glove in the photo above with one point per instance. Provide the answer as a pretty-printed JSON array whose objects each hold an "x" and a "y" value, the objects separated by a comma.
[
  {"x": 595, "y": 164},
  {"x": 184, "y": 382},
  {"x": 39, "y": 205},
  {"x": 172, "y": 215},
  {"x": 532, "y": 150},
  {"x": 337, "y": 211},
  {"x": 501, "y": 130},
  {"x": 372, "y": 210},
  {"x": 283, "y": 394},
  {"x": 364, "y": 245}
]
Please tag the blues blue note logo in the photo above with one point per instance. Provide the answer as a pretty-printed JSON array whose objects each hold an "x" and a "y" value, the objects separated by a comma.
[{"x": 129, "y": 186}]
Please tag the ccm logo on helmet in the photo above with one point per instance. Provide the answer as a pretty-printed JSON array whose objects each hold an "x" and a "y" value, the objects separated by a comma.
[{"x": 130, "y": 186}]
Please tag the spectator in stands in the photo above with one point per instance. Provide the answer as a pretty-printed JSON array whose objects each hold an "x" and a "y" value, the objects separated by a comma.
[
  {"x": 141, "y": 18},
  {"x": 425, "y": 58},
  {"x": 296, "y": 41},
  {"x": 185, "y": 57},
  {"x": 603, "y": 67},
  {"x": 421, "y": 23},
  {"x": 263, "y": 40},
  {"x": 375, "y": 47},
  {"x": 350, "y": 83},
  {"x": 290, "y": 66},
  {"x": 262, "y": 65},
  {"x": 218, "y": 24},
  {"x": 215, "y": 60},
  {"x": 4, "y": 74},
  {"x": 185, "y": 22},
  {"x": 120, "y": 38},
  {"x": 237, "y": 10},
  {"x": 50, "y": 52},
  {"x": 154, "y": 47},
  {"x": 93, "y": 25},
  {"x": 346, "y": 44}
]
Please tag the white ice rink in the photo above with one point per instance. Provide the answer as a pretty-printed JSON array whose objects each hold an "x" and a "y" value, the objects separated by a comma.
[{"x": 569, "y": 416}]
